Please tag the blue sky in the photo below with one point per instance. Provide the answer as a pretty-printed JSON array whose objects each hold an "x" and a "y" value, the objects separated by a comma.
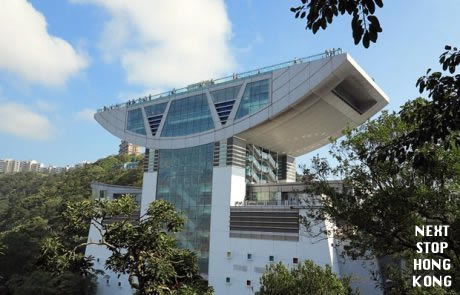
[{"x": 60, "y": 60}]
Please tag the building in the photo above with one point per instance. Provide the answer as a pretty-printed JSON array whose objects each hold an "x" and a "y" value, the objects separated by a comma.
[
  {"x": 127, "y": 148},
  {"x": 13, "y": 166},
  {"x": 212, "y": 145}
]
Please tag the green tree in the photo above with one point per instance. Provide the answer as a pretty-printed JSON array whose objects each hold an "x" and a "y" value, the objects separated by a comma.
[
  {"x": 305, "y": 278},
  {"x": 31, "y": 209},
  {"x": 144, "y": 249},
  {"x": 399, "y": 170}
]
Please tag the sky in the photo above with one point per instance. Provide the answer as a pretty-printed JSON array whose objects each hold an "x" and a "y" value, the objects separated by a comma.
[{"x": 61, "y": 60}]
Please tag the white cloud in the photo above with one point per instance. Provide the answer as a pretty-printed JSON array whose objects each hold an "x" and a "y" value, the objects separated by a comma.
[
  {"x": 45, "y": 106},
  {"x": 85, "y": 115},
  {"x": 28, "y": 50},
  {"x": 20, "y": 121},
  {"x": 165, "y": 44}
]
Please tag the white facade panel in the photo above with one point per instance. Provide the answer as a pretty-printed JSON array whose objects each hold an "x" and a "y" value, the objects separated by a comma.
[{"x": 149, "y": 190}]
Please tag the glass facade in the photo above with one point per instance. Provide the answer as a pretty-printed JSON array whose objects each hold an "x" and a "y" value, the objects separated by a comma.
[
  {"x": 254, "y": 98},
  {"x": 188, "y": 116},
  {"x": 225, "y": 94},
  {"x": 156, "y": 109},
  {"x": 136, "y": 121},
  {"x": 185, "y": 180},
  {"x": 224, "y": 99}
]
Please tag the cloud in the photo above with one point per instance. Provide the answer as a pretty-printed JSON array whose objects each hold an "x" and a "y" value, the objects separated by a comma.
[
  {"x": 28, "y": 50},
  {"x": 20, "y": 121},
  {"x": 85, "y": 115},
  {"x": 165, "y": 44},
  {"x": 45, "y": 106}
]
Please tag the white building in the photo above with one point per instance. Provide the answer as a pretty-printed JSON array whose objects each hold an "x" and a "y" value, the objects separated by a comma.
[{"x": 209, "y": 144}]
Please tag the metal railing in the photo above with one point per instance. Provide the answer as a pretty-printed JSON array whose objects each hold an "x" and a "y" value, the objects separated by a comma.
[{"x": 211, "y": 83}]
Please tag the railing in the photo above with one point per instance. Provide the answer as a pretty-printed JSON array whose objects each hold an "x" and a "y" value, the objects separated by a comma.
[
  {"x": 211, "y": 83},
  {"x": 271, "y": 203}
]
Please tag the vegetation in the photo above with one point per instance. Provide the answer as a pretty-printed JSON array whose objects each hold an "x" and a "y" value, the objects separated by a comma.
[
  {"x": 144, "y": 249},
  {"x": 399, "y": 170},
  {"x": 365, "y": 25},
  {"x": 31, "y": 211},
  {"x": 306, "y": 278}
]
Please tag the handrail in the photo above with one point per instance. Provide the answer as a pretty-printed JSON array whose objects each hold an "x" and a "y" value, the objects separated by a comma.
[{"x": 209, "y": 83}]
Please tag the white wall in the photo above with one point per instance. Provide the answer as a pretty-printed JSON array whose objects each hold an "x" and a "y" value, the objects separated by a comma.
[
  {"x": 228, "y": 187},
  {"x": 102, "y": 253},
  {"x": 149, "y": 190}
]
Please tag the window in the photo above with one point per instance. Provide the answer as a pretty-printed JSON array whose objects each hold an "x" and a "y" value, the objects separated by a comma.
[
  {"x": 227, "y": 280},
  {"x": 249, "y": 256},
  {"x": 295, "y": 260},
  {"x": 102, "y": 194},
  {"x": 185, "y": 180},
  {"x": 135, "y": 122},
  {"x": 229, "y": 254},
  {"x": 254, "y": 98},
  {"x": 271, "y": 258},
  {"x": 248, "y": 283},
  {"x": 188, "y": 116},
  {"x": 155, "y": 109},
  {"x": 226, "y": 94}
]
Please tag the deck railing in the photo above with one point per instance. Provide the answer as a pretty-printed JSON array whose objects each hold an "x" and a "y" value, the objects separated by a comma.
[{"x": 212, "y": 82}]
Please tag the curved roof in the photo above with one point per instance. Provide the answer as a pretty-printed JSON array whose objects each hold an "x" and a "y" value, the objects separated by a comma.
[{"x": 292, "y": 110}]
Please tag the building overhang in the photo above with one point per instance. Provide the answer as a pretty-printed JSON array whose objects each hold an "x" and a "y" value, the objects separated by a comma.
[{"x": 310, "y": 102}]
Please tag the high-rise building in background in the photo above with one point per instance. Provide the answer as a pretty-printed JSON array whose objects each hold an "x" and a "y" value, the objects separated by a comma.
[
  {"x": 223, "y": 152},
  {"x": 127, "y": 148},
  {"x": 15, "y": 166}
]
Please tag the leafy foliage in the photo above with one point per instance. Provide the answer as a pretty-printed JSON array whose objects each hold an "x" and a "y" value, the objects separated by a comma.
[
  {"x": 433, "y": 121},
  {"x": 306, "y": 278},
  {"x": 145, "y": 249},
  {"x": 31, "y": 208},
  {"x": 399, "y": 170},
  {"x": 319, "y": 13}
]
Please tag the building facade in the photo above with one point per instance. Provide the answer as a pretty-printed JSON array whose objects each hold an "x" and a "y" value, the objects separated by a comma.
[
  {"x": 211, "y": 144},
  {"x": 127, "y": 148}
]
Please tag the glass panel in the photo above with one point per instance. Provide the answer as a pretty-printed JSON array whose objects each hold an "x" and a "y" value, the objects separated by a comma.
[
  {"x": 254, "y": 98},
  {"x": 187, "y": 116},
  {"x": 225, "y": 94},
  {"x": 136, "y": 121},
  {"x": 185, "y": 180},
  {"x": 155, "y": 109}
]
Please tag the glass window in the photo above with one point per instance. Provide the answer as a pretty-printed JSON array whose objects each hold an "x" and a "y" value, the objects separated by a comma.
[
  {"x": 155, "y": 109},
  {"x": 226, "y": 94},
  {"x": 136, "y": 121},
  {"x": 271, "y": 258},
  {"x": 187, "y": 116},
  {"x": 254, "y": 98},
  {"x": 185, "y": 180}
]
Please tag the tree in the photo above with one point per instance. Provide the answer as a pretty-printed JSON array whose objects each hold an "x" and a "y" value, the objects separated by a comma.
[
  {"x": 31, "y": 209},
  {"x": 399, "y": 170},
  {"x": 305, "y": 278},
  {"x": 144, "y": 249},
  {"x": 365, "y": 25}
]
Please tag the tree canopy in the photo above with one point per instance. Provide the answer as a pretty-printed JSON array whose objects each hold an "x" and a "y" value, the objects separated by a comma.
[
  {"x": 305, "y": 278},
  {"x": 31, "y": 209},
  {"x": 399, "y": 170},
  {"x": 144, "y": 248}
]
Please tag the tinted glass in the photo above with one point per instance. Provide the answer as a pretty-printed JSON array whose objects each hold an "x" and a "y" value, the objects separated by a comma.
[
  {"x": 188, "y": 116},
  {"x": 185, "y": 180},
  {"x": 254, "y": 98},
  {"x": 136, "y": 121}
]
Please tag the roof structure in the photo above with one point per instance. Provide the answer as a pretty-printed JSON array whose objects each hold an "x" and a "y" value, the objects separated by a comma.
[{"x": 291, "y": 108}]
